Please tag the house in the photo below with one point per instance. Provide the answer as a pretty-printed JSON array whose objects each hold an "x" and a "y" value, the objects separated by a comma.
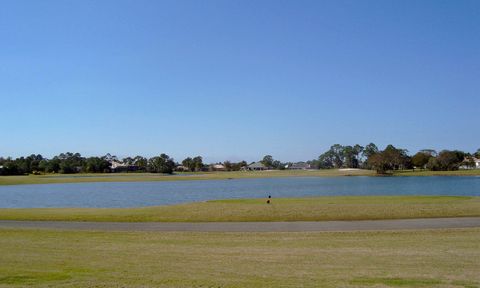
[
  {"x": 217, "y": 167},
  {"x": 181, "y": 168},
  {"x": 470, "y": 163},
  {"x": 257, "y": 166},
  {"x": 117, "y": 166},
  {"x": 298, "y": 166}
]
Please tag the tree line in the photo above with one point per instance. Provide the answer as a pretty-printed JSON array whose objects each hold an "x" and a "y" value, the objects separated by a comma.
[
  {"x": 393, "y": 158},
  {"x": 338, "y": 156},
  {"x": 70, "y": 163}
]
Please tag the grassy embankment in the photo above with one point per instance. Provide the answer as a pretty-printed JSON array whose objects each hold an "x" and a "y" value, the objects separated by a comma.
[
  {"x": 138, "y": 177},
  {"x": 474, "y": 172},
  {"x": 287, "y": 209},
  {"x": 429, "y": 258}
]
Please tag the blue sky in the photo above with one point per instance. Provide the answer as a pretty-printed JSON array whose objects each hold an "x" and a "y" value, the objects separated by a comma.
[{"x": 237, "y": 79}]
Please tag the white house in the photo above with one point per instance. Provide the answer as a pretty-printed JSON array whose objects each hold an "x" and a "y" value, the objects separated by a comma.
[
  {"x": 470, "y": 163},
  {"x": 298, "y": 166},
  {"x": 116, "y": 164},
  {"x": 218, "y": 167}
]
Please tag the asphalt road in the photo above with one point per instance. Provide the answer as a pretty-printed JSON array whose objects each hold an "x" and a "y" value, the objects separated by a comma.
[{"x": 364, "y": 225}]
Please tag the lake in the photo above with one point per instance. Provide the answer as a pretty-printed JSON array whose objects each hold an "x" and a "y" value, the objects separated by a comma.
[{"x": 135, "y": 194}]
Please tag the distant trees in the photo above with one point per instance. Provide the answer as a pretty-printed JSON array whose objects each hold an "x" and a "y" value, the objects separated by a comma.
[
  {"x": 446, "y": 161},
  {"x": 369, "y": 150},
  {"x": 339, "y": 156},
  {"x": 269, "y": 162},
  {"x": 141, "y": 163},
  {"x": 96, "y": 165},
  {"x": 193, "y": 164},
  {"x": 231, "y": 166},
  {"x": 68, "y": 163},
  {"x": 421, "y": 159},
  {"x": 161, "y": 164},
  {"x": 389, "y": 159}
]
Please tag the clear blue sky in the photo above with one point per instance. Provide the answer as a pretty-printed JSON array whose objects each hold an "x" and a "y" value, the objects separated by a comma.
[{"x": 237, "y": 79}]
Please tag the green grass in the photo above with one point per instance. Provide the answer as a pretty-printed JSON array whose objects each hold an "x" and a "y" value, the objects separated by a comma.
[
  {"x": 136, "y": 177},
  {"x": 424, "y": 258},
  {"x": 286, "y": 209},
  {"x": 474, "y": 172}
]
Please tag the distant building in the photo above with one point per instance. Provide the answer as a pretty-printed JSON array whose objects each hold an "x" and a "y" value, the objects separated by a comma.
[
  {"x": 217, "y": 167},
  {"x": 257, "y": 166},
  {"x": 181, "y": 168},
  {"x": 470, "y": 163},
  {"x": 298, "y": 166},
  {"x": 117, "y": 166}
]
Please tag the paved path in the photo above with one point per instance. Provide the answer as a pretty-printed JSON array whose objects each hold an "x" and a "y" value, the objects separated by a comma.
[{"x": 402, "y": 224}]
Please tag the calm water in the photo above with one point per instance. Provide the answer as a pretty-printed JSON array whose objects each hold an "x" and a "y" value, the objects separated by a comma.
[{"x": 136, "y": 194}]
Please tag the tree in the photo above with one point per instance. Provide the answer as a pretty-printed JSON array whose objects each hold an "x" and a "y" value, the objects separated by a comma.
[
  {"x": 141, "y": 163},
  {"x": 198, "y": 163},
  {"x": 278, "y": 165},
  {"x": 358, "y": 151},
  {"x": 379, "y": 162},
  {"x": 421, "y": 159},
  {"x": 69, "y": 162},
  {"x": 430, "y": 152},
  {"x": 468, "y": 162},
  {"x": 161, "y": 164},
  {"x": 449, "y": 160},
  {"x": 337, "y": 152},
  {"x": 193, "y": 164},
  {"x": 96, "y": 165},
  {"x": 389, "y": 159},
  {"x": 325, "y": 161},
  {"x": 188, "y": 162},
  {"x": 477, "y": 154},
  {"x": 267, "y": 161},
  {"x": 369, "y": 150},
  {"x": 350, "y": 157},
  {"x": 129, "y": 161}
]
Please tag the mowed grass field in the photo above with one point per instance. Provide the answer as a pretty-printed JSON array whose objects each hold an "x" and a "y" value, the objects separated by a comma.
[
  {"x": 283, "y": 209},
  {"x": 427, "y": 258},
  {"x": 138, "y": 177}
]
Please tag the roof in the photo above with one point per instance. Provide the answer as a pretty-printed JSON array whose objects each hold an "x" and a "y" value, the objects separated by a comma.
[
  {"x": 257, "y": 165},
  {"x": 302, "y": 165},
  {"x": 117, "y": 164}
]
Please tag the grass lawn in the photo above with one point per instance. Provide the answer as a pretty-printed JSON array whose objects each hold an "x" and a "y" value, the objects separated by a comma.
[
  {"x": 286, "y": 209},
  {"x": 428, "y": 258},
  {"x": 473, "y": 172},
  {"x": 137, "y": 177}
]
